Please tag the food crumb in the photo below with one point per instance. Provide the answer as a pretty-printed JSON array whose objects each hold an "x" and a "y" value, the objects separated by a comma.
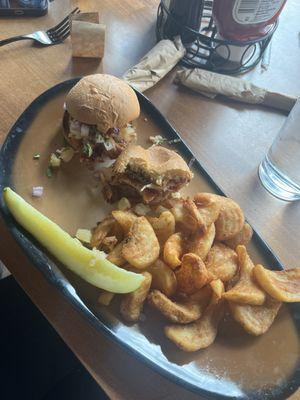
[
  {"x": 54, "y": 161},
  {"x": 66, "y": 154},
  {"x": 146, "y": 119},
  {"x": 191, "y": 162},
  {"x": 124, "y": 204},
  {"x": 158, "y": 140},
  {"x": 84, "y": 235},
  {"x": 176, "y": 195},
  {"x": 37, "y": 191},
  {"x": 105, "y": 298},
  {"x": 49, "y": 172}
]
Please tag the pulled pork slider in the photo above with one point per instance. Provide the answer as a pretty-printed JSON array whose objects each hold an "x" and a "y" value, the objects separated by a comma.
[
  {"x": 98, "y": 114},
  {"x": 150, "y": 175}
]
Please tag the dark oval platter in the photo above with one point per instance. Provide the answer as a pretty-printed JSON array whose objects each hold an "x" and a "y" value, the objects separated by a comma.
[{"x": 181, "y": 369}]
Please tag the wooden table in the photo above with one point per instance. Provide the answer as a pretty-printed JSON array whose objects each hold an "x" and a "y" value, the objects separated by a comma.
[{"x": 228, "y": 138}]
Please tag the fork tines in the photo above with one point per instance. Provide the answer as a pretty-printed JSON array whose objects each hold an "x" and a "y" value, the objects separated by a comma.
[{"x": 62, "y": 30}]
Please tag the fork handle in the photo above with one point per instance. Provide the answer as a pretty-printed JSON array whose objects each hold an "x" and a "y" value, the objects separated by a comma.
[{"x": 13, "y": 39}]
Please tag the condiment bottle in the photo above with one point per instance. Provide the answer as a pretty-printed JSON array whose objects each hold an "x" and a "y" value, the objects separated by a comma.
[{"x": 243, "y": 20}]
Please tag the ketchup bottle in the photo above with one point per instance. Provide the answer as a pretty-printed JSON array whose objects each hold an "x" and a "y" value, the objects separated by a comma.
[{"x": 243, "y": 20}]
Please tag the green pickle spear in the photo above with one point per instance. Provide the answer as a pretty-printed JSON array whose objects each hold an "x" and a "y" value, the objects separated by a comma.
[{"x": 90, "y": 265}]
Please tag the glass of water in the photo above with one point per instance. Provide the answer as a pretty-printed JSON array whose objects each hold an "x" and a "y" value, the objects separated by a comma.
[{"x": 279, "y": 172}]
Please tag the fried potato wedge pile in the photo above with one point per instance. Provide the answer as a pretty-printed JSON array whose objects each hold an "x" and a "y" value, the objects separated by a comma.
[{"x": 192, "y": 255}]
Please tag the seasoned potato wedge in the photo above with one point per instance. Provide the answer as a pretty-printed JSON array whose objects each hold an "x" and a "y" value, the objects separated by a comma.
[
  {"x": 281, "y": 285},
  {"x": 173, "y": 250},
  {"x": 105, "y": 298},
  {"x": 117, "y": 231},
  {"x": 164, "y": 226},
  {"x": 200, "y": 243},
  {"x": 101, "y": 231},
  {"x": 141, "y": 247},
  {"x": 163, "y": 278},
  {"x": 201, "y": 333},
  {"x": 125, "y": 219},
  {"x": 222, "y": 262},
  {"x": 115, "y": 256},
  {"x": 230, "y": 221},
  {"x": 186, "y": 215},
  {"x": 108, "y": 243},
  {"x": 132, "y": 303},
  {"x": 209, "y": 209},
  {"x": 217, "y": 287},
  {"x": 256, "y": 320},
  {"x": 204, "y": 295},
  {"x": 241, "y": 238},
  {"x": 197, "y": 335},
  {"x": 192, "y": 274},
  {"x": 181, "y": 313},
  {"x": 231, "y": 218},
  {"x": 246, "y": 290}
]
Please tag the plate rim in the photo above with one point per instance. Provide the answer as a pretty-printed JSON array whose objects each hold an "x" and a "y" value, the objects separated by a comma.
[{"x": 35, "y": 253}]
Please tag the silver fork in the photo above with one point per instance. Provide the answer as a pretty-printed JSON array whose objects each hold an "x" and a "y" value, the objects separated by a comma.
[{"x": 54, "y": 35}]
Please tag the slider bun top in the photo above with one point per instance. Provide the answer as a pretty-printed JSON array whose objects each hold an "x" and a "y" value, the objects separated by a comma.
[
  {"x": 157, "y": 161},
  {"x": 103, "y": 100}
]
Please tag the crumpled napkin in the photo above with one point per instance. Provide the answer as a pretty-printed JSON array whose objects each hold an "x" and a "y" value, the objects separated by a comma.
[
  {"x": 211, "y": 84},
  {"x": 155, "y": 64}
]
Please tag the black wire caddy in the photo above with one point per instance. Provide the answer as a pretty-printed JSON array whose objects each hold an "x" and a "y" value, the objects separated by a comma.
[{"x": 203, "y": 47}]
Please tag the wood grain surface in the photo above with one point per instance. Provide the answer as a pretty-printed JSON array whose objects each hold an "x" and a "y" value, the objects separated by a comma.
[{"x": 228, "y": 138}]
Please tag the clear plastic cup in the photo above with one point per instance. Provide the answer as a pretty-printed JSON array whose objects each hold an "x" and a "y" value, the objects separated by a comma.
[{"x": 279, "y": 172}]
